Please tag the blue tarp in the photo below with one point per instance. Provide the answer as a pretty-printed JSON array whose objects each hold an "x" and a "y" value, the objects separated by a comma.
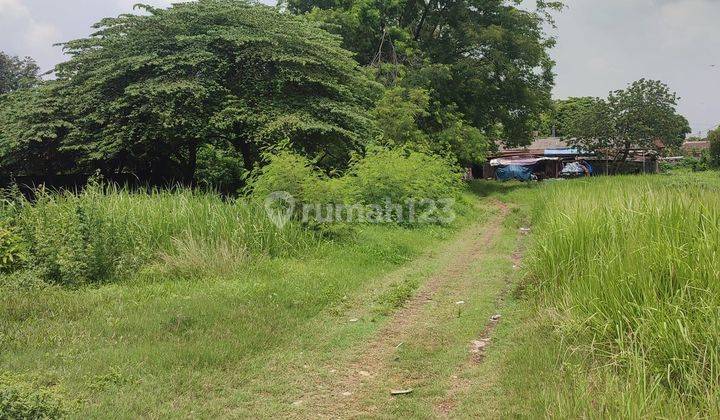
[{"x": 521, "y": 173}]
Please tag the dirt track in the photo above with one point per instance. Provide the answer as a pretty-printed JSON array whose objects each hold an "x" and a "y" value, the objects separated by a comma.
[{"x": 370, "y": 366}]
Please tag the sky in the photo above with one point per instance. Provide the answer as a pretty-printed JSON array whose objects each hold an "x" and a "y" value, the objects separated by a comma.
[{"x": 602, "y": 44}]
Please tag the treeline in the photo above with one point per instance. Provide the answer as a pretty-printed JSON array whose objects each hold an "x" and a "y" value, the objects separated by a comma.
[
  {"x": 641, "y": 116},
  {"x": 204, "y": 92}
]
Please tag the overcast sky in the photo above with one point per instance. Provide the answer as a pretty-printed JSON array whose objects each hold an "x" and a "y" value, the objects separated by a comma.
[{"x": 602, "y": 44}]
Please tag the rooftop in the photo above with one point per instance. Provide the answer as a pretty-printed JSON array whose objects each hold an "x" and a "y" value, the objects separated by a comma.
[
  {"x": 540, "y": 144},
  {"x": 701, "y": 145}
]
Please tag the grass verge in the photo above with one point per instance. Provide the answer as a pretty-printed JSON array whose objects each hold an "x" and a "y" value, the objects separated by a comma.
[
  {"x": 179, "y": 338},
  {"x": 618, "y": 313}
]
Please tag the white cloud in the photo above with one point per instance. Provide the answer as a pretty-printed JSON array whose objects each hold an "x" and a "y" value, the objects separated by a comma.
[
  {"x": 602, "y": 44},
  {"x": 605, "y": 45},
  {"x": 23, "y": 35}
]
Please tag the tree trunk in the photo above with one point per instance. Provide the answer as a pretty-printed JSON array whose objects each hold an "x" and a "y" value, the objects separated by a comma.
[
  {"x": 191, "y": 164},
  {"x": 246, "y": 153},
  {"x": 621, "y": 158},
  {"x": 420, "y": 24}
]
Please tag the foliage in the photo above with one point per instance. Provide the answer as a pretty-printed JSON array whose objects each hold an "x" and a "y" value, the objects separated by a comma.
[
  {"x": 488, "y": 59},
  {"x": 13, "y": 250},
  {"x": 34, "y": 124},
  {"x": 220, "y": 168},
  {"x": 19, "y": 400},
  {"x": 380, "y": 177},
  {"x": 286, "y": 172},
  {"x": 399, "y": 112},
  {"x": 635, "y": 117},
  {"x": 17, "y": 73},
  {"x": 105, "y": 233},
  {"x": 558, "y": 118},
  {"x": 697, "y": 164},
  {"x": 145, "y": 93},
  {"x": 401, "y": 175},
  {"x": 71, "y": 240},
  {"x": 408, "y": 119},
  {"x": 714, "y": 153},
  {"x": 460, "y": 142},
  {"x": 630, "y": 266}
]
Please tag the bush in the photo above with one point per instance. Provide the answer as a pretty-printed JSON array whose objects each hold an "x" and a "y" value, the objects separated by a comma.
[
  {"x": 399, "y": 175},
  {"x": 714, "y": 153},
  {"x": 72, "y": 241},
  {"x": 696, "y": 164},
  {"x": 13, "y": 249},
  {"x": 286, "y": 172},
  {"x": 104, "y": 233},
  {"x": 219, "y": 169},
  {"x": 19, "y": 400},
  {"x": 382, "y": 177}
]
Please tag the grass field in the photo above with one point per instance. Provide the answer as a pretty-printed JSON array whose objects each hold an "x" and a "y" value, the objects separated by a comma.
[
  {"x": 202, "y": 290},
  {"x": 618, "y": 314},
  {"x": 213, "y": 313}
]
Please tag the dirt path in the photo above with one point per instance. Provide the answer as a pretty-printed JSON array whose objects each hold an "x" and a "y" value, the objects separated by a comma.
[{"x": 372, "y": 364}]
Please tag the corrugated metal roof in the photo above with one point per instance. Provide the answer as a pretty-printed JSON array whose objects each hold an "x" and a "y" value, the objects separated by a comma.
[
  {"x": 699, "y": 145},
  {"x": 563, "y": 152},
  {"x": 539, "y": 144}
]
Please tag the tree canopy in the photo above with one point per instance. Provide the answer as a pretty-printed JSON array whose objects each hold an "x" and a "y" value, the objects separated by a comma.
[
  {"x": 17, "y": 73},
  {"x": 147, "y": 93},
  {"x": 554, "y": 121},
  {"x": 635, "y": 117},
  {"x": 714, "y": 139},
  {"x": 408, "y": 118},
  {"x": 203, "y": 90},
  {"x": 486, "y": 60}
]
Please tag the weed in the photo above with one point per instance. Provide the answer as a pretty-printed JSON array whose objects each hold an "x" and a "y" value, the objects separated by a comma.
[{"x": 21, "y": 400}]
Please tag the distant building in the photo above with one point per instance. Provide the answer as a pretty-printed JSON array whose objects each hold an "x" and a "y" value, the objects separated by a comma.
[
  {"x": 695, "y": 148},
  {"x": 546, "y": 158}
]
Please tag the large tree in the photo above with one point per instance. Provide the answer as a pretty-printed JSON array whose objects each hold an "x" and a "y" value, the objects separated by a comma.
[
  {"x": 714, "y": 139},
  {"x": 408, "y": 118},
  {"x": 17, "y": 73},
  {"x": 488, "y": 60},
  {"x": 636, "y": 117},
  {"x": 145, "y": 93},
  {"x": 554, "y": 121},
  {"x": 33, "y": 125}
]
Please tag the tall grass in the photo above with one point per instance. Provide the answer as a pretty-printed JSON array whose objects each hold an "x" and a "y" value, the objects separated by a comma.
[
  {"x": 633, "y": 266},
  {"x": 104, "y": 232}
]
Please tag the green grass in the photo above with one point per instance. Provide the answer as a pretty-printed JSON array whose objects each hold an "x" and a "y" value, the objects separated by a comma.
[
  {"x": 210, "y": 289},
  {"x": 106, "y": 233},
  {"x": 618, "y": 315},
  {"x": 212, "y": 312}
]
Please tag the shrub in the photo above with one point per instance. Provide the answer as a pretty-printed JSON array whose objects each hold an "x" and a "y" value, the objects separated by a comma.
[
  {"x": 399, "y": 175},
  {"x": 697, "y": 164},
  {"x": 72, "y": 242},
  {"x": 714, "y": 153},
  {"x": 13, "y": 249},
  {"x": 219, "y": 169},
  {"x": 286, "y": 172},
  {"x": 19, "y": 400},
  {"x": 382, "y": 177},
  {"x": 105, "y": 232}
]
